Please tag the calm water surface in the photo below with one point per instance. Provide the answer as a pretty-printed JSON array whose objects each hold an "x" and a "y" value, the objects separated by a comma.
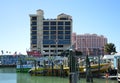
[{"x": 8, "y": 75}]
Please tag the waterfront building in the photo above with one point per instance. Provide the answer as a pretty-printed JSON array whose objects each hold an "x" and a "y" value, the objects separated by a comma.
[
  {"x": 50, "y": 36},
  {"x": 89, "y": 44},
  {"x": 9, "y": 60}
]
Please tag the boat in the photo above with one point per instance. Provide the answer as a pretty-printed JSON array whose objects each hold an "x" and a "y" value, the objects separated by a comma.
[
  {"x": 95, "y": 67},
  {"x": 58, "y": 71},
  {"x": 25, "y": 64}
]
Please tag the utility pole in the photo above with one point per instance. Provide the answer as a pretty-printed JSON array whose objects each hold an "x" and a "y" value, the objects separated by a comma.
[
  {"x": 73, "y": 76},
  {"x": 89, "y": 77}
]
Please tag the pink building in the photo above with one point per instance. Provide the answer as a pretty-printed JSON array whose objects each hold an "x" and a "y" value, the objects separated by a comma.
[{"x": 90, "y": 44}]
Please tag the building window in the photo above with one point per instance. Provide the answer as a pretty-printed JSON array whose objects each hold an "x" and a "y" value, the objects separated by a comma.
[
  {"x": 60, "y": 32},
  {"x": 53, "y": 32},
  {"x": 34, "y": 41},
  {"x": 53, "y": 36},
  {"x": 63, "y": 19},
  {"x": 60, "y": 50},
  {"x": 60, "y": 23},
  {"x": 52, "y": 46},
  {"x": 45, "y": 28},
  {"x": 67, "y": 32},
  {"x": 67, "y": 37},
  {"x": 51, "y": 50},
  {"x": 67, "y": 23},
  {"x": 60, "y": 36},
  {"x": 45, "y": 37},
  {"x": 34, "y": 32},
  {"x": 52, "y": 28},
  {"x": 34, "y": 28},
  {"x": 45, "y": 46},
  {"x": 67, "y": 27},
  {"x": 34, "y": 18},
  {"x": 60, "y": 46},
  {"x": 46, "y": 50},
  {"x": 34, "y": 23},
  {"x": 67, "y": 42},
  {"x": 52, "y": 23},
  {"x": 45, "y": 32},
  {"x": 45, "y": 23},
  {"x": 34, "y": 46},
  {"x": 60, "y": 27},
  {"x": 47, "y": 41},
  {"x": 34, "y": 37}
]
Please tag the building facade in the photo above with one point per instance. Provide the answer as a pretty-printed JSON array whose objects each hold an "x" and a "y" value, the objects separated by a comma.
[
  {"x": 89, "y": 44},
  {"x": 50, "y": 36}
]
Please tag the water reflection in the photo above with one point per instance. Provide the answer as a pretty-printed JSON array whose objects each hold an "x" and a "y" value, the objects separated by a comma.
[
  {"x": 7, "y": 70},
  {"x": 26, "y": 78},
  {"x": 9, "y": 75}
]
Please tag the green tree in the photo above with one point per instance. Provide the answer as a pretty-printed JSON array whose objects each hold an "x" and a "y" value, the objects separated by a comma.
[
  {"x": 109, "y": 48},
  {"x": 78, "y": 53}
]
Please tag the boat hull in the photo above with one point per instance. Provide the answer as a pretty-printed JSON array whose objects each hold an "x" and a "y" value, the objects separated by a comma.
[
  {"x": 23, "y": 68},
  {"x": 65, "y": 71}
]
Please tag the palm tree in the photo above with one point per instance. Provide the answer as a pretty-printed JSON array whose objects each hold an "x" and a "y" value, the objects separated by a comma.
[{"x": 109, "y": 48}]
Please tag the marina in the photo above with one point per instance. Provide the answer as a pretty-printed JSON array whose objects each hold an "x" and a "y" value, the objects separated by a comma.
[
  {"x": 56, "y": 65},
  {"x": 71, "y": 68}
]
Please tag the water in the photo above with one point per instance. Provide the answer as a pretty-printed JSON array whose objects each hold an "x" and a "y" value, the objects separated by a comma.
[{"x": 8, "y": 75}]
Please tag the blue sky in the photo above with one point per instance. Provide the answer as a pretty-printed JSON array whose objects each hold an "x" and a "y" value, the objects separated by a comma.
[{"x": 101, "y": 17}]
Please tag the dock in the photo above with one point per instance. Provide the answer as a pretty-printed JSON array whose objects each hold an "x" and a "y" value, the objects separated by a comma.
[{"x": 110, "y": 77}]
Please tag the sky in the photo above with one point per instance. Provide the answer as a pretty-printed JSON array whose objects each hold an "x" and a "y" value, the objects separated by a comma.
[{"x": 101, "y": 17}]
